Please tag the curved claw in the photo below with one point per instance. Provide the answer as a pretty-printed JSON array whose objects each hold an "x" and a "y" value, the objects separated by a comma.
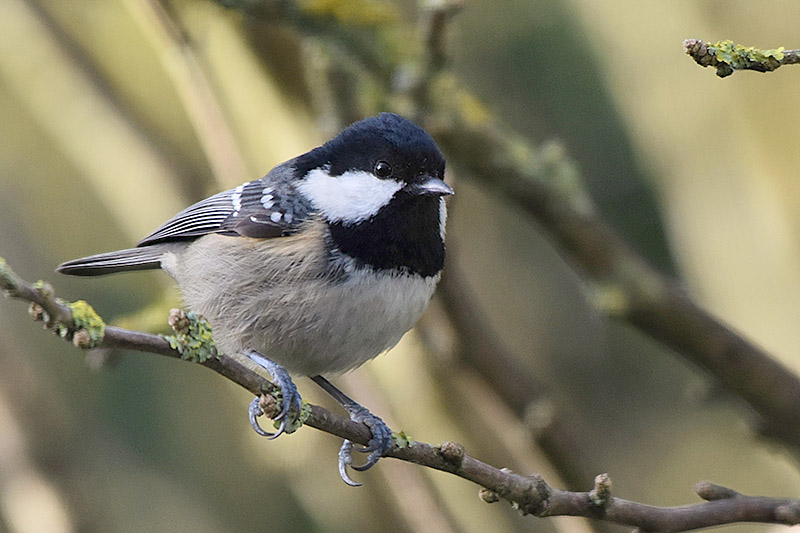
[
  {"x": 290, "y": 398},
  {"x": 345, "y": 459},
  {"x": 380, "y": 442},
  {"x": 378, "y": 449}
]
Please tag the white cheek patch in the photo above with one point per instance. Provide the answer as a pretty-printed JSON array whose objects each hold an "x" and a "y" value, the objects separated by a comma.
[{"x": 352, "y": 197}]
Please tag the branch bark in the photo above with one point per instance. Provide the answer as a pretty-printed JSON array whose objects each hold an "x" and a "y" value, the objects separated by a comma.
[{"x": 529, "y": 494}]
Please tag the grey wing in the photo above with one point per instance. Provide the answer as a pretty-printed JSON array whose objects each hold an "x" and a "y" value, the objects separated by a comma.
[{"x": 264, "y": 208}]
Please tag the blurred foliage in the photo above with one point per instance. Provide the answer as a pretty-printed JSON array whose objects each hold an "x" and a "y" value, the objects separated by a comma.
[{"x": 108, "y": 125}]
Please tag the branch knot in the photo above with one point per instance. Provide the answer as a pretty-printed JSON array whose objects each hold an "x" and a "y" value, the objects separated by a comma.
[
  {"x": 452, "y": 453},
  {"x": 600, "y": 495},
  {"x": 710, "y": 491}
]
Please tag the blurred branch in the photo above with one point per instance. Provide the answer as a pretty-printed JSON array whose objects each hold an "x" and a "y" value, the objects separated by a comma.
[
  {"x": 359, "y": 29},
  {"x": 335, "y": 94},
  {"x": 438, "y": 14},
  {"x": 727, "y": 56},
  {"x": 194, "y": 89},
  {"x": 434, "y": 23},
  {"x": 82, "y": 119},
  {"x": 529, "y": 494}
]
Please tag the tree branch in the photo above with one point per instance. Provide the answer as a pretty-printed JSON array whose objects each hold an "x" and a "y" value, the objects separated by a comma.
[
  {"x": 529, "y": 494},
  {"x": 726, "y": 56},
  {"x": 193, "y": 87}
]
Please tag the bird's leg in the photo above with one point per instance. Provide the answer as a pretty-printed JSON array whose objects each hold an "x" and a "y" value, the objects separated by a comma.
[
  {"x": 381, "y": 434},
  {"x": 289, "y": 394}
]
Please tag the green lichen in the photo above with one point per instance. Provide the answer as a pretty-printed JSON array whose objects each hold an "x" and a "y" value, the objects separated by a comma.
[
  {"x": 293, "y": 423},
  {"x": 402, "y": 440},
  {"x": 84, "y": 317},
  {"x": 194, "y": 342},
  {"x": 732, "y": 56},
  {"x": 44, "y": 287}
]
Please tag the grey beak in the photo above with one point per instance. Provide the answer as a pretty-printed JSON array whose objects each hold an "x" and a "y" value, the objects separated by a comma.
[{"x": 430, "y": 187}]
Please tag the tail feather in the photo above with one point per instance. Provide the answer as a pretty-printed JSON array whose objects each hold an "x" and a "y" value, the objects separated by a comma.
[{"x": 144, "y": 258}]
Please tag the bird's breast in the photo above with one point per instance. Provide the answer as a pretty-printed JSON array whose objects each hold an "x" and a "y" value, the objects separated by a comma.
[{"x": 288, "y": 300}]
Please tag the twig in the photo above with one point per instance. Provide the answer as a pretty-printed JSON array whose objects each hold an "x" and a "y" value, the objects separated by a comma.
[
  {"x": 726, "y": 56},
  {"x": 335, "y": 93},
  {"x": 438, "y": 13},
  {"x": 350, "y": 29},
  {"x": 434, "y": 28},
  {"x": 529, "y": 494}
]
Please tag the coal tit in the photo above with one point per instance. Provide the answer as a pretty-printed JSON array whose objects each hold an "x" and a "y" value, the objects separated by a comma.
[{"x": 319, "y": 266}]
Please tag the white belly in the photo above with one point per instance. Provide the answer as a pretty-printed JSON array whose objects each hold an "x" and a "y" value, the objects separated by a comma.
[{"x": 309, "y": 325}]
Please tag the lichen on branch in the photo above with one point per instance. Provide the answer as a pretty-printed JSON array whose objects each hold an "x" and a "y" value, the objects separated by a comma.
[
  {"x": 192, "y": 338},
  {"x": 727, "y": 56}
]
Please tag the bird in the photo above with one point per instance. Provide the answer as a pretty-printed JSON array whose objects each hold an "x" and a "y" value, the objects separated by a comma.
[{"x": 317, "y": 267}]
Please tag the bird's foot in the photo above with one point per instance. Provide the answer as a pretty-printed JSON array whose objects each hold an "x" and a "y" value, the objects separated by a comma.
[
  {"x": 291, "y": 405},
  {"x": 380, "y": 441}
]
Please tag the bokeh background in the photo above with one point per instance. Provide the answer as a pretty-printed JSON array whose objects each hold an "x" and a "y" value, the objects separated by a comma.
[{"x": 105, "y": 133}]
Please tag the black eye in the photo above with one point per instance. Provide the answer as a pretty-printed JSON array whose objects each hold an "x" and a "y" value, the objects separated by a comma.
[{"x": 383, "y": 169}]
